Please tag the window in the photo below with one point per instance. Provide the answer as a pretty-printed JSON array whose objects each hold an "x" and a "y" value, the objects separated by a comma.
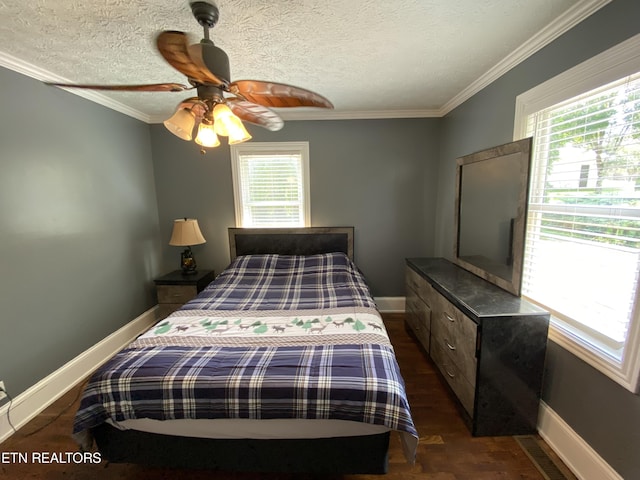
[
  {"x": 271, "y": 184},
  {"x": 582, "y": 255}
]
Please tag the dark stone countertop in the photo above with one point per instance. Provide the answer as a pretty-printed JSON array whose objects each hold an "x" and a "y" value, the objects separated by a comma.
[{"x": 472, "y": 293}]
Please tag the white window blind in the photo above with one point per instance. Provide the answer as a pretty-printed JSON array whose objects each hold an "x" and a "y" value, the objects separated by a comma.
[
  {"x": 583, "y": 230},
  {"x": 271, "y": 184}
]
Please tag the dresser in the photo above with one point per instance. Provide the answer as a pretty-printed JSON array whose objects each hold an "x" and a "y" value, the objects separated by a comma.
[
  {"x": 175, "y": 289},
  {"x": 488, "y": 344}
]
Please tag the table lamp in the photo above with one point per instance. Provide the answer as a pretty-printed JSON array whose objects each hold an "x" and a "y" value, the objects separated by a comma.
[{"x": 186, "y": 233}]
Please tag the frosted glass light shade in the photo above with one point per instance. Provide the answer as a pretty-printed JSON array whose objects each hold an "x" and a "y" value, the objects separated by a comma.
[
  {"x": 228, "y": 125},
  {"x": 181, "y": 124},
  {"x": 238, "y": 134},
  {"x": 207, "y": 136}
]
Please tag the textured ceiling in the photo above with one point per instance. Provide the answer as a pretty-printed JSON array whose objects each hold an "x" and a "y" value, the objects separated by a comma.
[{"x": 371, "y": 58}]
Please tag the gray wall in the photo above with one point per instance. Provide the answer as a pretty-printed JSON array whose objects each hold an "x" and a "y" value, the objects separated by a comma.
[
  {"x": 78, "y": 226},
  {"x": 606, "y": 415},
  {"x": 376, "y": 175},
  {"x": 82, "y": 235}
]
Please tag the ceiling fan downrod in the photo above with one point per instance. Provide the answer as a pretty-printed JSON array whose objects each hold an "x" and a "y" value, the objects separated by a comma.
[{"x": 207, "y": 15}]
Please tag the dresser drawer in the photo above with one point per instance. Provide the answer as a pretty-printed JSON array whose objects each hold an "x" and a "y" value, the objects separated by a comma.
[
  {"x": 456, "y": 335},
  {"x": 420, "y": 286},
  {"x": 463, "y": 389},
  {"x": 418, "y": 317},
  {"x": 176, "y": 293}
]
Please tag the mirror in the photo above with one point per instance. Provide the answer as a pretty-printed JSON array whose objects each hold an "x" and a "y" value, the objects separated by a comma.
[{"x": 491, "y": 204}]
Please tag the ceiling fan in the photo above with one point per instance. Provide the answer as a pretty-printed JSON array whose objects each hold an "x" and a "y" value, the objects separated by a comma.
[{"x": 220, "y": 103}]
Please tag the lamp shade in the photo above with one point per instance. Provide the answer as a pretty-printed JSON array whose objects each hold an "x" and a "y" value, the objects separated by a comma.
[
  {"x": 186, "y": 232},
  {"x": 238, "y": 134},
  {"x": 227, "y": 124},
  {"x": 207, "y": 136},
  {"x": 181, "y": 124}
]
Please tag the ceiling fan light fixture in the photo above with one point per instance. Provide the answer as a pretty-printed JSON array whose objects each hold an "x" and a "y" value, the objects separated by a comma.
[
  {"x": 221, "y": 115},
  {"x": 181, "y": 124},
  {"x": 237, "y": 134},
  {"x": 207, "y": 136},
  {"x": 229, "y": 125},
  {"x": 207, "y": 70}
]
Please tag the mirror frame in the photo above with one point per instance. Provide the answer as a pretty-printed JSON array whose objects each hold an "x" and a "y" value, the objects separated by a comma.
[{"x": 522, "y": 148}]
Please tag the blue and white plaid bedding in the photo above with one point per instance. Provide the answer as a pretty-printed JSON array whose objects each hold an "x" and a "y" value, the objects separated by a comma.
[
  {"x": 226, "y": 354},
  {"x": 291, "y": 282}
]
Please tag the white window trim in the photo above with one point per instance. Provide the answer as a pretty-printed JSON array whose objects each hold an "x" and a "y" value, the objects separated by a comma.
[
  {"x": 257, "y": 148},
  {"x": 617, "y": 62}
]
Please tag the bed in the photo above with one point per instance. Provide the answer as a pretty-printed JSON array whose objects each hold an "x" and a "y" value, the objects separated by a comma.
[{"x": 282, "y": 364}]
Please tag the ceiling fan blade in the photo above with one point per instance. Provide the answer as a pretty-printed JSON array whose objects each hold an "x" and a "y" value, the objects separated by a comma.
[
  {"x": 256, "y": 114},
  {"x": 152, "y": 87},
  {"x": 174, "y": 47},
  {"x": 277, "y": 95}
]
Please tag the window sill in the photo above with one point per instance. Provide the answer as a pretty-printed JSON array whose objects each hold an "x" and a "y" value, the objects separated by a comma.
[{"x": 625, "y": 373}]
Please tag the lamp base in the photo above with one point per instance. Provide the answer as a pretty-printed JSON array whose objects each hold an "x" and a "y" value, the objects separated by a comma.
[{"x": 188, "y": 262}]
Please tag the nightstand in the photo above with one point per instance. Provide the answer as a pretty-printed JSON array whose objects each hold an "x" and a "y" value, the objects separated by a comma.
[{"x": 175, "y": 289}]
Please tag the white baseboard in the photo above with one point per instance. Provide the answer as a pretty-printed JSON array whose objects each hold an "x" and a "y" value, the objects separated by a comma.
[
  {"x": 577, "y": 454},
  {"x": 38, "y": 397},
  {"x": 390, "y": 304}
]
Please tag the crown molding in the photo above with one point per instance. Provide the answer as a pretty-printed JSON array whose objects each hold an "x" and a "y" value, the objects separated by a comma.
[
  {"x": 573, "y": 16},
  {"x": 356, "y": 114},
  {"x": 20, "y": 66},
  {"x": 17, "y": 65},
  {"x": 560, "y": 25}
]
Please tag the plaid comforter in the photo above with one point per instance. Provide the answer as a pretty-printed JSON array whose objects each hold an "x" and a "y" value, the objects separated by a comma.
[
  {"x": 223, "y": 356},
  {"x": 291, "y": 282}
]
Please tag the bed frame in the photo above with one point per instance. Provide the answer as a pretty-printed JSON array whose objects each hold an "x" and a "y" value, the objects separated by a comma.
[{"x": 341, "y": 455}]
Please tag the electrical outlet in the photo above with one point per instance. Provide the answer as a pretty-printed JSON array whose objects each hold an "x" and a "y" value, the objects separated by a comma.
[{"x": 2, "y": 391}]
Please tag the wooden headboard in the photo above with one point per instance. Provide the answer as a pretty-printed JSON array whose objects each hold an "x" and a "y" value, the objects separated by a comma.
[{"x": 291, "y": 241}]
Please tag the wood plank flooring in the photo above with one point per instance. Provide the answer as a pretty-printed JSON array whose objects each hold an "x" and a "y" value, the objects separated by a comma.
[{"x": 446, "y": 450}]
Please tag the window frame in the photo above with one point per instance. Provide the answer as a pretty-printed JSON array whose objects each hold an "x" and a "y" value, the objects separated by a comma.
[
  {"x": 619, "y": 61},
  {"x": 271, "y": 148}
]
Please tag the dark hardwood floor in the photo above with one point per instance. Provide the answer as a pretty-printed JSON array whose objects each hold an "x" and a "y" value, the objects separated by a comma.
[{"x": 446, "y": 450}]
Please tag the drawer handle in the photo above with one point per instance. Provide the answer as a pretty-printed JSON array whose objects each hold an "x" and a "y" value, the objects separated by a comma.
[
  {"x": 449, "y": 346},
  {"x": 450, "y": 318},
  {"x": 451, "y": 375}
]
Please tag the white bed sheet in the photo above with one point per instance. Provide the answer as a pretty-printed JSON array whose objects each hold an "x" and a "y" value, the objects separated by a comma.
[{"x": 256, "y": 429}]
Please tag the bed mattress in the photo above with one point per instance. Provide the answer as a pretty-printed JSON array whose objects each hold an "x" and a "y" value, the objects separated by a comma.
[{"x": 237, "y": 428}]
